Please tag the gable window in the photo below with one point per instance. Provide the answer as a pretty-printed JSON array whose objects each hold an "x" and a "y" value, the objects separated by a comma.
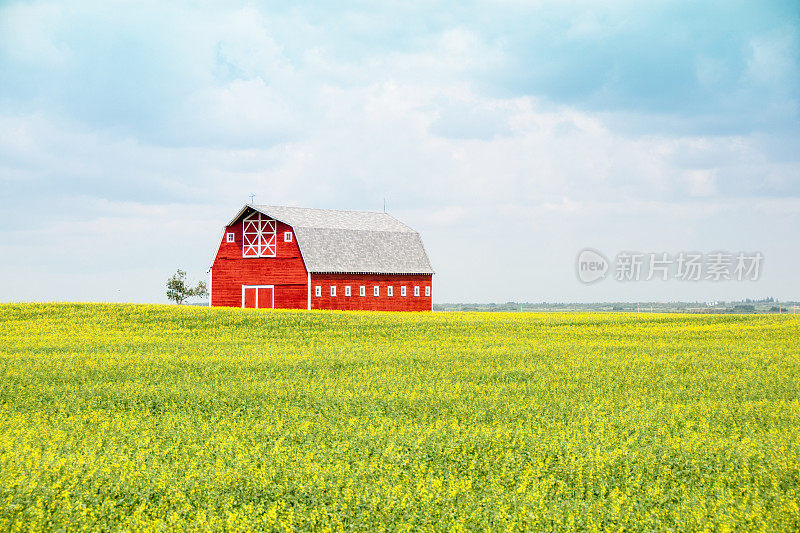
[
  {"x": 318, "y": 291},
  {"x": 347, "y": 290},
  {"x": 403, "y": 290},
  {"x": 258, "y": 236},
  {"x": 428, "y": 290},
  {"x": 333, "y": 290},
  {"x": 416, "y": 291},
  {"x": 287, "y": 236},
  {"x": 230, "y": 237},
  {"x": 376, "y": 290},
  {"x": 362, "y": 291},
  {"x": 389, "y": 291}
]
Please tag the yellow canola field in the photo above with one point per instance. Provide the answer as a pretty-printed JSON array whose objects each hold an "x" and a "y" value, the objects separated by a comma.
[{"x": 142, "y": 418}]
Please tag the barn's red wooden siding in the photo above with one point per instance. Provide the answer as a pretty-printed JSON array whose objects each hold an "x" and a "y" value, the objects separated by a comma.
[
  {"x": 409, "y": 302},
  {"x": 285, "y": 271}
]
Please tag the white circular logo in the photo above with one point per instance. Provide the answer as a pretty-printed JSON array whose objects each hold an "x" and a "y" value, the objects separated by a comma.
[{"x": 591, "y": 265}]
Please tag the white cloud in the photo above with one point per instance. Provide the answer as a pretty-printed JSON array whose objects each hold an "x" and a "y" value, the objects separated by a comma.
[
  {"x": 242, "y": 113},
  {"x": 701, "y": 182},
  {"x": 28, "y": 34},
  {"x": 772, "y": 58}
]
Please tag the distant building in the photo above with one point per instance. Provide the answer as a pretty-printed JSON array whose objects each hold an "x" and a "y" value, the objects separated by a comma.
[{"x": 297, "y": 258}]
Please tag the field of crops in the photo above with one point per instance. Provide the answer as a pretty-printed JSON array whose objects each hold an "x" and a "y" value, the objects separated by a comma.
[{"x": 155, "y": 417}]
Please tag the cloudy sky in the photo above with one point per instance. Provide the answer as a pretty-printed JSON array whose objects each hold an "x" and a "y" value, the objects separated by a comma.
[{"x": 511, "y": 134}]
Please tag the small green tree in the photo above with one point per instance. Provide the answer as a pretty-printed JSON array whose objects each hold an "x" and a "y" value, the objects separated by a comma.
[{"x": 178, "y": 291}]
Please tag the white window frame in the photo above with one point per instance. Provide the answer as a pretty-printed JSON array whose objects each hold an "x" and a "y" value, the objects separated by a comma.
[
  {"x": 287, "y": 236},
  {"x": 259, "y": 236},
  {"x": 230, "y": 237},
  {"x": 416, "y": 290},
  {"x": 333, "y": 290},
  {"x": 427, "y": 291},
  {"x": 318, "y": 291},
  {"x": 376, "y": 290},
  {"x": 347, "y": 290},
  {"x": 389, "y": 291},
  {"x": 403, "y": 290},
  {"x": 362, "y": 290}
]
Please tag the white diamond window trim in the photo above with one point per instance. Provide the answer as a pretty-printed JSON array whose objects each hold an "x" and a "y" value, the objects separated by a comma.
[{"x": 258, "y": 236}]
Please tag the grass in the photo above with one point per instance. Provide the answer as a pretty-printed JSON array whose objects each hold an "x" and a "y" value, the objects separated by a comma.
[{"x": 156, "y": 417}]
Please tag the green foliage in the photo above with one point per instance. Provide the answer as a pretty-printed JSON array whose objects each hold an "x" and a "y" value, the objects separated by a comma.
[
  {"x": 127, "y": 417},
  {"x": 178, "y": 291}
]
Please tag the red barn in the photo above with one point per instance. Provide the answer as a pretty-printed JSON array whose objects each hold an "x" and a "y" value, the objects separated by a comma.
[{"x": 297, "y": 258}]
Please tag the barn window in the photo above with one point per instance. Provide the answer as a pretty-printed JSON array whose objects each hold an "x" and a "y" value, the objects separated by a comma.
[
  {"x": 318, "y": 291},
  {"x": 347, "y": 290},
  {"x": 287, "y": 236},
  {"x": 376, "y": 290},
  {"x": 403, "y": 290},
  {"x": 362, "y": 291},
  {"x": 428, "y": 290},
  {"x": 333, "y": 290},
  {"x": 416, "y": 291},
  {"x": 389, "y": 291},
  {"x": 258, "y": 235},
  {"x": 231, "y": 237}
]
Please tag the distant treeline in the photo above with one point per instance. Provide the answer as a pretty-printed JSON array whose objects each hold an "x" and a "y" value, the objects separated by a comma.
[{"x": 767, "y": 305}]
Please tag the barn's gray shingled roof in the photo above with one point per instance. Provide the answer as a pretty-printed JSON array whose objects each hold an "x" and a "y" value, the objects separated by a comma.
[{"x": 353, "y": 241}]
